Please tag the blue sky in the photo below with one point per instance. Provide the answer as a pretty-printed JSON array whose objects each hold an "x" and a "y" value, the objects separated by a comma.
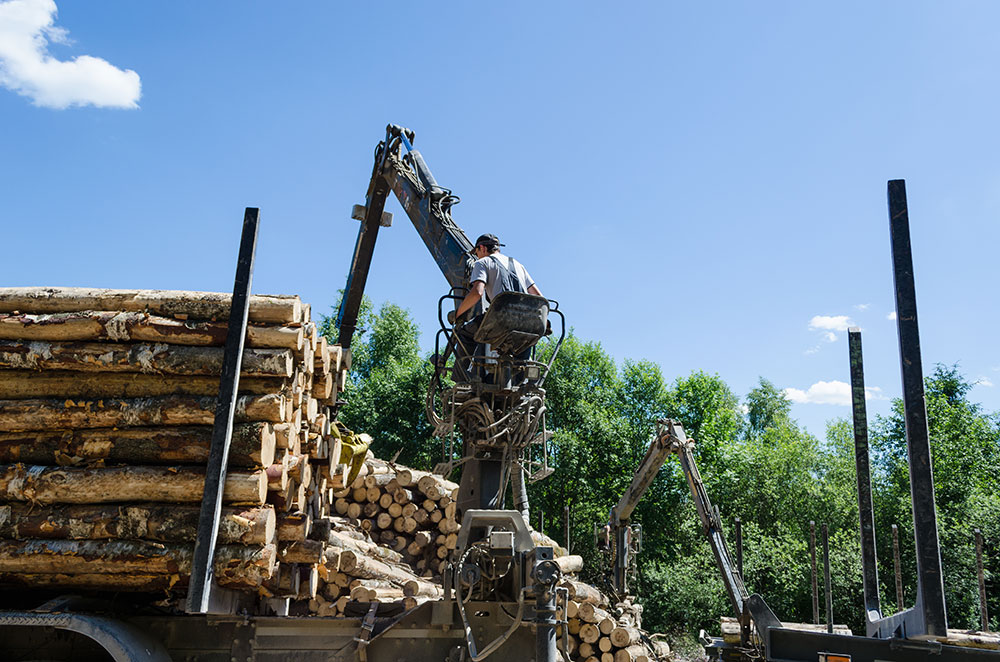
[{"x": 699, "y": 184}]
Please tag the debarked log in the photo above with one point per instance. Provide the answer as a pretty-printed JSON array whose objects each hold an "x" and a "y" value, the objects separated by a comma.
[
  {"x": 274, "y": 309},
  {"x": 253, "y": 445},
  {"x": 48, "y": 414},
  {"x": 157, "y": 522},
  {"x": 47, "y": 485},
  {"x": 234, "y": 562},
  {"x": 20, "y": 384},
  {"x": 89, "y": 325},
  {"x": 154, "y": 358}
]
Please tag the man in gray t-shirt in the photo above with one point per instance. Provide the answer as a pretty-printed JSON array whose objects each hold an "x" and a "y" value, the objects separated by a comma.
[
  {"x": 489, "y": 272},
  {"x": 492, "y": 274}
]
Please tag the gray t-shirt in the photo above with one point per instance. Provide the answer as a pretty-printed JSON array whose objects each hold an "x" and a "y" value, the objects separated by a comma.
[{"x": 487, "y": 271}]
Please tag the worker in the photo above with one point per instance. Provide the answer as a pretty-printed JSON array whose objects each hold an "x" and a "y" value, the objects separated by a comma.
[{"x": 492, "y": 273}]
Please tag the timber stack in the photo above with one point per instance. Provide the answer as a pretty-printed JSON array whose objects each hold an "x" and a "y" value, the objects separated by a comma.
[{"x": 107, "y": 400}]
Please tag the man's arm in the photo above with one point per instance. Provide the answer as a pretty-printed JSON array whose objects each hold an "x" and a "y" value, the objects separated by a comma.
[
  {"x": 472, "y": 298},
  {"x": 534, "y": 290}
]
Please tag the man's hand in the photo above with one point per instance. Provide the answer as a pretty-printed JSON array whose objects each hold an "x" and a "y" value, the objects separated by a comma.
[{"x": 451, "y": 317}]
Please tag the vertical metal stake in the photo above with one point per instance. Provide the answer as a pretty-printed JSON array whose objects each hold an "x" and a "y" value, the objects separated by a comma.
[
  {"x": 930, "y": 578},
  {"x": 200, "y": 586},
  {"x": 984, "y": 617},
  {"x": 815, "y": 583},
  {"x": 566, "y": 515},
  {"x": 826, "y": 579},
  {"x": 869, "y": 556},
  {"x": 739, "y": 547},
  {"x": 897, "y": 568}
]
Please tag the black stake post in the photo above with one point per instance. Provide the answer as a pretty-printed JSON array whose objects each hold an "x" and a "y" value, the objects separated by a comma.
[
  {"x": 930, "y": 579},
  {"x": 200, "y": 587},
  {"x": 897, "y": 567},
  {"x": 815, "y": 582},
  {"x": 828, "y": 583},
  {"x": 869, "y": 556},
  {"x": 984, "y": 616}
]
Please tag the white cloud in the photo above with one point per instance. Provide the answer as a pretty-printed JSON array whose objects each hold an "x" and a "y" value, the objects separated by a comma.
[
  {"x": 830, "y": 336},
  {"x": 830, "y": 393},
  {"x": 863, "y": 306},
  {"x": 984, "y": 381},
  {"x": 26, "y": 66},
  {"x": 831, "y": 322},
  {"x": 891, "y": 316}
]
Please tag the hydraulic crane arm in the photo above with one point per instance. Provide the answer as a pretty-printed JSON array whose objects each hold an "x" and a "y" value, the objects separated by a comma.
[{"x": 401, "y": 169}]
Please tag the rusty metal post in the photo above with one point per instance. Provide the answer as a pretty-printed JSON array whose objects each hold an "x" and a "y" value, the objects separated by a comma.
[
  {"x": 815, "y": 583},
  {"x": 827, "y": 580},
  {"x": 896, "y": 566},
  {"x": 984, "y": 616}
]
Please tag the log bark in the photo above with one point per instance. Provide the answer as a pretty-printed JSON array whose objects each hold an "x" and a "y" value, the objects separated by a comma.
[
  {"x": 21, "y": 384},
  {"x": 570, "y": 565},
  {"x": 130, "y": 582},
  {"x": 253, "y": 445},
  {"x": 20, "y": 415},
  {"x": 632, "y": 654},
  {"x": 47, "y": 485},
  {"x": 359, "y": 565},
  {"x": 89, "y": 325},
  {"x": 99, "y": 556},
  {"x": 304, "y": 551},
  {"x": 273, "y": 309},
  {"x": 154, "y": 358},
  {"x": 161, "y": 523},
  {"x": 581, "y": 592}
]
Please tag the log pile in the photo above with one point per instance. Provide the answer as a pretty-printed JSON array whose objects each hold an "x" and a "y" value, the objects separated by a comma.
[{"x": 107, "y": 399}]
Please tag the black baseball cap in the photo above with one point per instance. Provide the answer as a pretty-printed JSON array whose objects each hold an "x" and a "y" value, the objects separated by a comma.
[{"x": 488, "y": 240}]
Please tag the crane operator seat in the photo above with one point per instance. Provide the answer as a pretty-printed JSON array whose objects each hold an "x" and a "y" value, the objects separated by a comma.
[{"x": 514, "y": 323}]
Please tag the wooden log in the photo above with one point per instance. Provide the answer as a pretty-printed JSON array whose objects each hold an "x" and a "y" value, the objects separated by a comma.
[
  {"x": 308, "y": 582},
  {"x": 303, "y": 551},
  {"x": 20, "y": 384},
  {"x": 572, "y": 610},
  {"x": 153, "y": 358},
  {"x": 607, "y": 625},
  {"x": 591, "y": 613},
  {"x": 20, "y": 415},
  {"x": 581, "y": 592},
  {"x": 573, "y": 625},
  {"x": 272, "y": 309},
  {"x": 632, "y": 654},
  {"x": 340, "y": 540},
  {"x": 292, "y": 527},
  {"x": 624, "y": 636},
  {"x": 127, "y": 582},
  {"x": 121, "y": 556},
  {"x": 589, "y": 633},
  {"x": 47, "y": 485},
  {"x": 253, "y": 445},
  {"x": 89, "y": 325},
  {"x": 162, "y": 523},
  {"x": 570, "y": 565},
  {"x": 358, "y": 565},
  {"x": 604, "y": 645},
  {"x": 421, "y": 588}
]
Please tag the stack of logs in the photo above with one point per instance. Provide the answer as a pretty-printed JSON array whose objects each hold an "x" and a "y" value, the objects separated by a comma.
[
  {"x": 600, "y": 633},
  {"x": 107, "y": 399}
]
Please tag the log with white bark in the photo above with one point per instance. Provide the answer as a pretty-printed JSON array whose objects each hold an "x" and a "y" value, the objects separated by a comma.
[
  {"x": 48, "y": 485},
  {"x": 158, "y": 522},
  {"x": 120, "y": 556},
  {"x": 359, "y": 565},
  {"x": 624, "y": 636},
  {"x": 19, "y": 415},
  {"x": 273, "y": 309},
  {"x": 155, "y": 358},
  {"x": 581, "y": 592},
  {"x": 21, "y": 384},
  {"x": 569, "y": 565},
  {"x": 122, "y": 326},
  {"x": 253, "y": 445}
]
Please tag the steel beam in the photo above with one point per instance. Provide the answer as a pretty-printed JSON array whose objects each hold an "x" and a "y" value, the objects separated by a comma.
[
  {"x": 930, "y": 579},
  {"x": 869, "y": 555},
  {"x": 200, "y": 587}
]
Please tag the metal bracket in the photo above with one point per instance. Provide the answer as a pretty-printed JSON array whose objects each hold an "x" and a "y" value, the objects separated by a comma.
[
  {"x": 244, "y": 634},
  {"x": 365, "y": 635}
]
